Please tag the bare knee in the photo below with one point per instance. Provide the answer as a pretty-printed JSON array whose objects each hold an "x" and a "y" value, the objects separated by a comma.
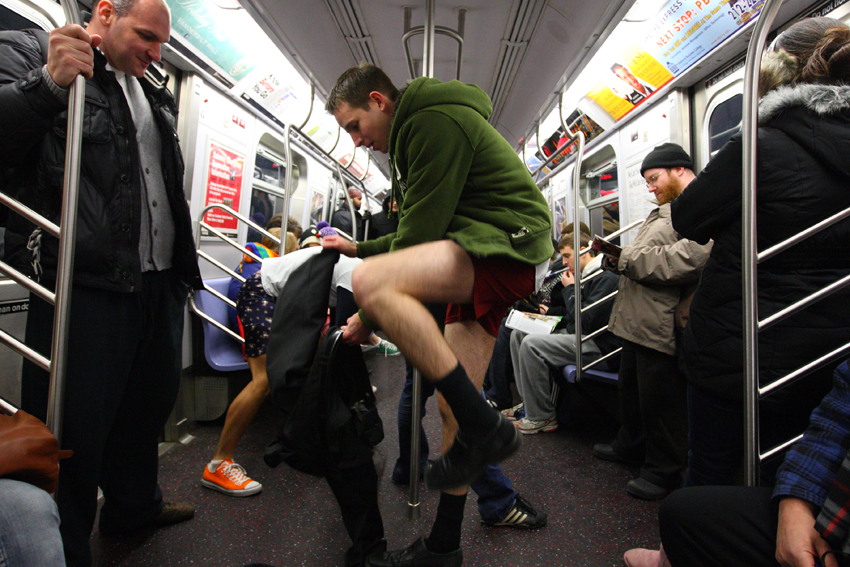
[
  {"x": 364, "y": 283},
  {"x": 259, "y": 376}
]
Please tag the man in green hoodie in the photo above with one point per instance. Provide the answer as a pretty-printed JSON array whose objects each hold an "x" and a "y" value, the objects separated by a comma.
[{"x": 474, "y": 232}]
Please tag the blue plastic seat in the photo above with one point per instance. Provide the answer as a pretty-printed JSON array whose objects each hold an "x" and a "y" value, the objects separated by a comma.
[
  {"x": 221, "y": 351},
  {"x": 597, "y": 375}
]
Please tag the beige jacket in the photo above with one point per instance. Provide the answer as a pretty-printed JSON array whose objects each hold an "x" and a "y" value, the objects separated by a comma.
[{"x": 659, "y": 272}]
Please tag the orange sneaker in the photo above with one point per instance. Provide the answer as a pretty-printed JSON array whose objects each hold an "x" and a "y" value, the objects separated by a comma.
[{"x": 229, "y": 478}]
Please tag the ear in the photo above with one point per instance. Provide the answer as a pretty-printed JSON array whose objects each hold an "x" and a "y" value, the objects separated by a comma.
[
  {"x": 379, "y": 99},
  {"x": 104, "y": 12}
]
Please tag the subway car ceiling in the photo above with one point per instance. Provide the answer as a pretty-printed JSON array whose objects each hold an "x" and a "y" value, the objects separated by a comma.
[{"x": 523, "y": 53}]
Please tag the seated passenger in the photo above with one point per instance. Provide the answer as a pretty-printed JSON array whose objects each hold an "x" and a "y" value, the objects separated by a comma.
[
  {"x": 658, "y": 269},
  {"x": 499, "y": 371},
  {"x": 796, "y": 523},
  {"x": 803, "y": 176},
  {"x": 386, "y": 221},
  {"x": 533, "y": 355},
  {"x": 29, "y": 471},
  {"x": 255, "y": 305}
]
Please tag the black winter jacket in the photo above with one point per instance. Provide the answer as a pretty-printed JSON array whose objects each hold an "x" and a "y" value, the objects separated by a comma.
[
  {"x": 342, "y": 220},
  {"x": 593, "y": 319},
  {"x": 803, "y": 178},
  {"x": 33, "y": 124}
]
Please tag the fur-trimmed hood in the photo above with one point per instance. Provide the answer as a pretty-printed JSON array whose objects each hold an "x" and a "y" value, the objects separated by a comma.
[
  {"x": 819, "y": 99},
  {"x": 815, "y": 117}
]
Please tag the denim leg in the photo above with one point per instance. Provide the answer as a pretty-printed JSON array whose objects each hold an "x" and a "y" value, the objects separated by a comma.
[
  {"x": 496, "y": 495},
  {"x": 499, "y": 389},
  {"x": 401, "y": 472},
  {"x": 29, "y": 527}
]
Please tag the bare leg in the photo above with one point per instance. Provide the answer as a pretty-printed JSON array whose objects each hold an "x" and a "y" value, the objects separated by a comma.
[
  {"x": 473, "y": 347},
  {"x": 392, "y": 287},
  {"x": 243, "y": 409}
]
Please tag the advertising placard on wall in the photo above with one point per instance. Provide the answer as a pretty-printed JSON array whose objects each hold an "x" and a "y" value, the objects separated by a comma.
[
  {"x": 224, "y": 185},
  {"x": 681, "y": 34},
  {"x": 208, "y": 29},
  {"x": 685, "y": 30}
]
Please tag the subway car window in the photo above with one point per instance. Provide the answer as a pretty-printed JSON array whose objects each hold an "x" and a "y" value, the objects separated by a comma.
[{"x": 725, "y": 122}]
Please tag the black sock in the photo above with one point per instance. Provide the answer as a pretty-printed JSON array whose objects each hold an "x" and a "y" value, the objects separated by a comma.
[
  {"x": 475, "y": 418},
  {"x": 445, "y": 533}
]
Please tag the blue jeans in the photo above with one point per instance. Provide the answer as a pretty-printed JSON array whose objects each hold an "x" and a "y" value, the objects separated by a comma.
[
  {"x": 29, "y": 527},
  {"x": 496, "y": 381},
  {"x": 495, "y": 492}
]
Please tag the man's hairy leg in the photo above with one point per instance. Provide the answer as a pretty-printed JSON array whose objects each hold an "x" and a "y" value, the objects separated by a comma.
[
  {"x": 392, "y": 288},
  {"x": 473, "y": 347}
]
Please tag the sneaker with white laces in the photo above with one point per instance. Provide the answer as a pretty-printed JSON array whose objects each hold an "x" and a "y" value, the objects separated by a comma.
[
  {"x": 229, "y": 478},
  {"x": 387, "y": 348},
  {"x": 530, "y": 427},
  {"x": 514, "y": 413}
]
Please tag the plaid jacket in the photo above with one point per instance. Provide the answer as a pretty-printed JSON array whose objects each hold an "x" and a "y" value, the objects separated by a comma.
[{"x": 817, "y": 468}]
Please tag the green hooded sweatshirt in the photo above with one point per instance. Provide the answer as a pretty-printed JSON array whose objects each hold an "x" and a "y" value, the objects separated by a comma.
[{"x": 454, "y": 176}]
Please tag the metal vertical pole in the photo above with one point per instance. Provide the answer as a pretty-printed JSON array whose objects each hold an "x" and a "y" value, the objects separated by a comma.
[
  {"x": 287, "y": 181},
  {"x": 428, "y": 51},
  {"x": 65, "y": 266},
  {"x": 413, "y": 509},
  {"x": 579, "y": 138},
  {"x": 749, "y": 252}
]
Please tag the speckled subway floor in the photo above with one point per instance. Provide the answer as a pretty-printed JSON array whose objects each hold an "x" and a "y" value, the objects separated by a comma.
[{"x": 295, "y": 520}]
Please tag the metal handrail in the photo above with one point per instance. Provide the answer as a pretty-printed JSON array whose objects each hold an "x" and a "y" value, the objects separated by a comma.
[
  {"x": 442, "y": 30},
  {"x": 806, "y": 369},
  {"x": 803, "y": 303},
  {"x": 288, "y": 188},
  {"x": 210, "y": 320},
  {"x": 800, "y": 236},
  {"x": 368, "y": 163},
  {"x": 344, "y": 189},
  {"x": 336, "y": 142},
  {"x": 414, "y": 510},
  {"x": 66, "y": 231},
  {"x": 579, "y": 137},
  {"x": 310, "y": 110},
  {"x": 347, "y": 166},
  {"x": 749, "y": 257},
  {"x": 229, "y": 241},
  {"x": 601, "y": 359},
  {"x": 558, "y": 150}
]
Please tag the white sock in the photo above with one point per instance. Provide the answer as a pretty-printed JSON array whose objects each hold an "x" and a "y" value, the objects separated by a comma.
[{"x": 213, "y": 465}]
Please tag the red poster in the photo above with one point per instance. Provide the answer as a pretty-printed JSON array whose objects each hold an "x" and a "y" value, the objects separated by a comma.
[{"x": 224, "y": 185}]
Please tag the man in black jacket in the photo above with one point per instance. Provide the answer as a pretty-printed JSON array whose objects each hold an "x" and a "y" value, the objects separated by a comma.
[
  {"x": 135, "y": 258},
  {"x": 341, "y": 219}
]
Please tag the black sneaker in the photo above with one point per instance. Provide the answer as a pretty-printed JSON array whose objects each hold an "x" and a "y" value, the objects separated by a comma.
[
  {"x": 416, "y": 555},
  {"x": 464, "y": 462},
  {"x": 522, "y": 516}
]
